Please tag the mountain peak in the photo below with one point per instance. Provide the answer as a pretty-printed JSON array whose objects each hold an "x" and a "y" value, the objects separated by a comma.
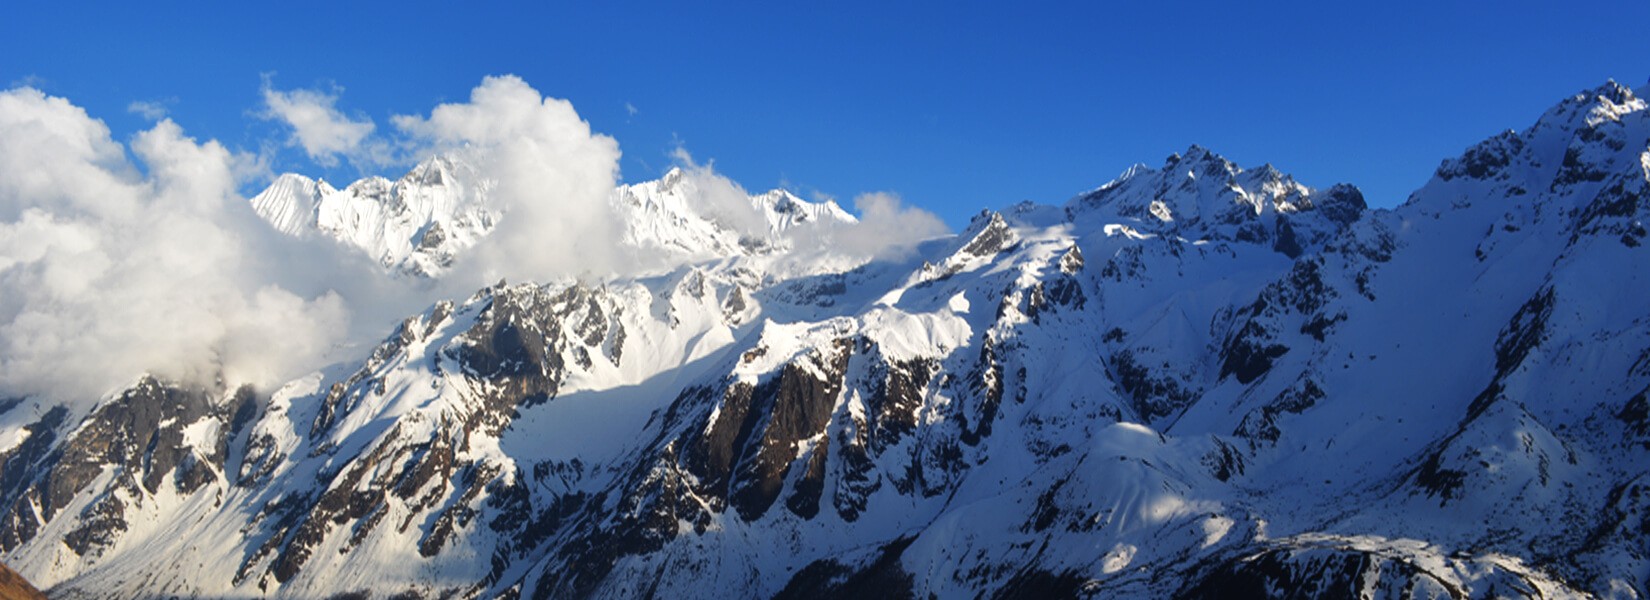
[
  {"x": 793, "y": 210},
  {"x": 1200, "y": 195},
  {"x": 1198, "y": 162},
  {"x": 292, "y": 180},
  {"x": 1133, "y": 171},
  {"x": 1577, "y": 145},
  {"x": 671, "y": 178},
  {"x": 1615, "y": 92},
  {"x": 437, "y": 170},
  {"x": 288, "y": 204},
  {"x": 988, "y": 233},
  {"x": 1608, "y": 102}
]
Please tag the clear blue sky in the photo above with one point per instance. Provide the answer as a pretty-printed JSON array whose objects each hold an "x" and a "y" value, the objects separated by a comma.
[{"x": 955, "y": 106}]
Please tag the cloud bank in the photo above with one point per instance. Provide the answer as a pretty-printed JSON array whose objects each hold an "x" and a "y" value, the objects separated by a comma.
[{"x": 109, "y": 270}]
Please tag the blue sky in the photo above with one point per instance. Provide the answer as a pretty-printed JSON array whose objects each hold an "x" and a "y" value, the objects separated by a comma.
[{"x": 954, "y": 106}]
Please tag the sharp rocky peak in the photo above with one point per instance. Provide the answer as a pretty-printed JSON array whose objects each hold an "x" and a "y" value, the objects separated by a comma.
[
  {"x": 988, "y": 233},
  {"x": 1588, "y": 145},
  {"x": 1607, "y": 101},
  {"x": 437, "y": 170},
  {"x": 1200, "y": 195},
  {"x": 1203, "y": 157}
]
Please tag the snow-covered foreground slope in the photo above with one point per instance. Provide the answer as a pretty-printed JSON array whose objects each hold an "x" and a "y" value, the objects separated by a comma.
[{"x": 1194, "y": 381}]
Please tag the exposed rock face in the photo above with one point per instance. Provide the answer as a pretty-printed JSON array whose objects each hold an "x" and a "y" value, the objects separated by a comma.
[
  {"x": 1195, "y": 381},
  {"x": 139, "y": 445}
]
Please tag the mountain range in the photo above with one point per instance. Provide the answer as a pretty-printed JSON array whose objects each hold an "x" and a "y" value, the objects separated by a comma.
[
  {"x": 418, "y": 225},
  {"x": 1195, "y": 381}
]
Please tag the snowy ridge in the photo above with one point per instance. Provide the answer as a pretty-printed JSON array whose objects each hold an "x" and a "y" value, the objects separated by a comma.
[
  {"x": 1202, "y": 196},
  {"x": 785, "y": 211},
  {"x": 670, "y": 214},
  {"x": 1196, "y": 381},
  {"x": 420, "y": 223},
  {"x": 292, "y": 202},
  {"x": 415, "y": 225}
]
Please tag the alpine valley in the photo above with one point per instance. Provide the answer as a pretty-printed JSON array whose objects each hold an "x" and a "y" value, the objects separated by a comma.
[{"x": 1195, "y": 381}]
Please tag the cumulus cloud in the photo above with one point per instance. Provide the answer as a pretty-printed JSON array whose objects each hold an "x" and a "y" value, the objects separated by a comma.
[
  {"x": 112, "y": 267},
  {"x": 553, "y": 177},
  {"x": 318, "y": 126},
  {"x": 108, "y": 271},
  {"x": 53, "y": 154},
  {"x": 123, "y": 259}
]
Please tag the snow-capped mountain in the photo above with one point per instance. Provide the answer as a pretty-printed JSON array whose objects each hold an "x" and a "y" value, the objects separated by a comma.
[
  {"x": 420, "y": 223},
  {"x": 417, "y": 224},
  {"x": 669, "y": 215},
  {"x": 1194, "y": 381}
]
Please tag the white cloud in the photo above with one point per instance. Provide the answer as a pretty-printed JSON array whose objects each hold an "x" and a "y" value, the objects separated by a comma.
[
  {"x": 107, "y": 273},
  {"x": 885, "y": 228},
  {"x": 109, "y": 270},
  {"x": 553, "y": 179},
  {"x": 718, "y": 198},
  {"x": 52, "y": 153},
  {"x": 317, "y": 125},
  {"x": 148, "y": 109}
]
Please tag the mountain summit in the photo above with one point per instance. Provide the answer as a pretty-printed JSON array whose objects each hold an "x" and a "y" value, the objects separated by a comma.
[{"x": 1195, "y": 381}]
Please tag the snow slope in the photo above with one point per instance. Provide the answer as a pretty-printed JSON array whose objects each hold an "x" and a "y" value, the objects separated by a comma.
[{"x": 1195, "y": 381}]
